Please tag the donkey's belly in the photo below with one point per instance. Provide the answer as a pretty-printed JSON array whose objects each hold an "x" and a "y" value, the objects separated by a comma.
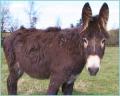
[
  {"x": 38, "y": 75},
  {"x": 35, "y": 73},
  {"x": 36, "y": 70}
]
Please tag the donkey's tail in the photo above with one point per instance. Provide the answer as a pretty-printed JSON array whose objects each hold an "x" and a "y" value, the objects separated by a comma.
[{"x": 8, "y": 48}]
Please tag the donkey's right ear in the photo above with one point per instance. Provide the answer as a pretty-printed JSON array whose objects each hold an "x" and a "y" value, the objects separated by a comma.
[{"x": 86, "y": 15}]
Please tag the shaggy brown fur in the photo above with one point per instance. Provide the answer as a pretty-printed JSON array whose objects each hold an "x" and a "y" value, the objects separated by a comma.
[{"x": 59, "y": 56}]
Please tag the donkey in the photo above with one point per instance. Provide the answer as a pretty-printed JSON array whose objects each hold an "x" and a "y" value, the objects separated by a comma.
[{"x": 59, "y": 56}]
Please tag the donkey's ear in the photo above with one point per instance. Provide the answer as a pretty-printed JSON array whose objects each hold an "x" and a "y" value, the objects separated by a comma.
[
  {"x": 104, "y": 15},
  {"x": 86, "y": 15}
]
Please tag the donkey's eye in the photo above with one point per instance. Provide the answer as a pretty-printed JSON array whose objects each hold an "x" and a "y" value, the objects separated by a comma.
[
  {"x": 102, "y": 43},
  {"x": 85, "y": 42}
]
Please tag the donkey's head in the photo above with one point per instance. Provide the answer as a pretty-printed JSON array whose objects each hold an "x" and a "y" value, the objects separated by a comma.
[{"x": 94, "y": 35}]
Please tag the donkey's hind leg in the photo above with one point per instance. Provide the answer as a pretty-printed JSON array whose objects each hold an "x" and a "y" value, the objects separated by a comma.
[{"x": 14, "y": 75}]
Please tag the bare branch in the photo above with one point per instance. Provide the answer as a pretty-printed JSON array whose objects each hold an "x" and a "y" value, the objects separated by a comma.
[
  {"x": 5, "y": 15},
  {"x": 32, "y": 14}
]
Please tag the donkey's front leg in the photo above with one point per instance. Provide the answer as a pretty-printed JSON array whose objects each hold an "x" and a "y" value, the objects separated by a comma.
[
  {"x": 53, "y": 89},
  {"x": 55, "y": 82},
  {"x": 67, "y": 88}
]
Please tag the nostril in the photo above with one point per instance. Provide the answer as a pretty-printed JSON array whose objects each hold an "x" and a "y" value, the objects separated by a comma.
[{"x": 96, "y": 70}]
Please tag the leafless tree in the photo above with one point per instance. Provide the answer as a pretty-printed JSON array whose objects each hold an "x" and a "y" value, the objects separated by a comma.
[
  {"x": 5, "y": 15},
  {"x": 32, "y": 13},
  {"x": 7, "y": 22},
  {"x": 14, "y": 25}
]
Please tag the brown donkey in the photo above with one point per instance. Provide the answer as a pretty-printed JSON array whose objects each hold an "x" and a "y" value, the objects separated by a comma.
[{"x": 59, "y": 56}]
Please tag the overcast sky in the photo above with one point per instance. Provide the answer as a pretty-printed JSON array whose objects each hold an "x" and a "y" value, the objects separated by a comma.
[{"x": 68, "y": 12}]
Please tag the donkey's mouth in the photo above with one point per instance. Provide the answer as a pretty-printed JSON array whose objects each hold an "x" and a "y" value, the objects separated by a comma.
[
  {"x": 92, "y": 74},
  {"x": 93, "y": 71}
]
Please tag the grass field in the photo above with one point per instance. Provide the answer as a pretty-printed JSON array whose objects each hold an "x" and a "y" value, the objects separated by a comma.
[{"x": 105, "y": 83}]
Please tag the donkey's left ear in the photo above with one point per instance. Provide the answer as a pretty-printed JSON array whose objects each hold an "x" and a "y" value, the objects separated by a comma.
[{"x": 104, "y": 15}]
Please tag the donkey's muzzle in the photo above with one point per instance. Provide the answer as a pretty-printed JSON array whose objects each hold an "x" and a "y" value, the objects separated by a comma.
[{"x": 93, "y": 71}]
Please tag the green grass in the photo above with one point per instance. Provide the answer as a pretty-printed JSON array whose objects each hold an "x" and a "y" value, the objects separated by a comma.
[{"x": 105, "y": 83}]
